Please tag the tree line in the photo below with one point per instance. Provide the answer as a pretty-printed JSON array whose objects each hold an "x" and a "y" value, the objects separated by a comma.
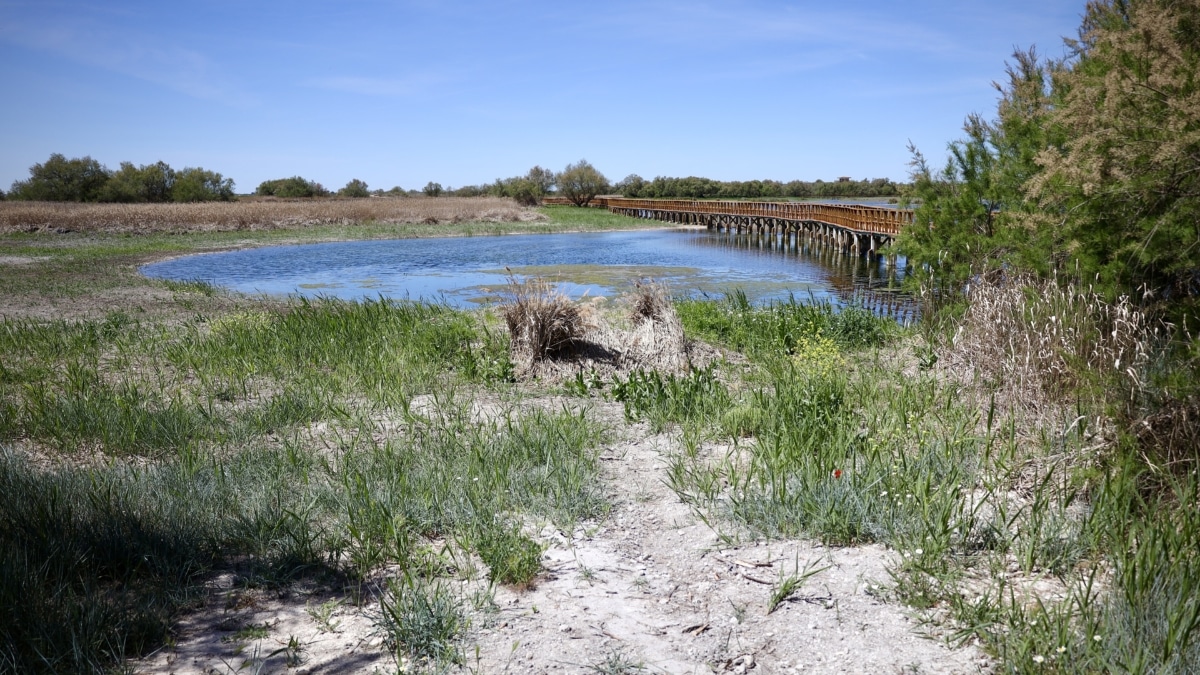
[
  {"x": 84, "y": 179},
  {"x": 693, "y": 187},
  {"x": 1090, "y": 168}
]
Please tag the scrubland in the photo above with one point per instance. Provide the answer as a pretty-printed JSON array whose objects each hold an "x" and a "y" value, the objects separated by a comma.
[
  {"x": 192, "y": 480},
  {"x": 256, "y": 214}
]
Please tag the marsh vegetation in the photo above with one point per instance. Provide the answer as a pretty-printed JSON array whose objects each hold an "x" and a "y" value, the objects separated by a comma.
[{"x": 389, "y": 451}]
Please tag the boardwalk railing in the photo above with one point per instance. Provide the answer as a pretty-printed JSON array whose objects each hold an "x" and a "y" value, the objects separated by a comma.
[{"x": 855, "y": 228}]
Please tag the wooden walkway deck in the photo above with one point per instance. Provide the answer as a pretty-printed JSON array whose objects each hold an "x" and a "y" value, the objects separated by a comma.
[{"x": 857, "y": 229}]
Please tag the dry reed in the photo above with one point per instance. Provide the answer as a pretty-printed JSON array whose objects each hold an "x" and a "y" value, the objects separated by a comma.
[
  {"x": 254, "y": 214},
  {"x": 656, "y": 340},
  {"x": 553, "y": 338},
  {"x": 542, "y": 322},
  {"x": 1040, "y": 337}
]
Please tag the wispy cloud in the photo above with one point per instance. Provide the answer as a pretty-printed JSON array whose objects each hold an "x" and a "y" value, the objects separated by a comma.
[
  {"x": 700, "y": 24},
  {"x": 143, "y": 57},
  {"x": 390, "y": 87}
]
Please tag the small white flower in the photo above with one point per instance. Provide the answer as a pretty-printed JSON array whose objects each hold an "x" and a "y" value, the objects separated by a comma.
[
  {"x": 1038, "y": 658},
  {"x": 918, "y": 551},
  {"x": 1061, "y": 650},
  {"x": 1096, "y": 638}
]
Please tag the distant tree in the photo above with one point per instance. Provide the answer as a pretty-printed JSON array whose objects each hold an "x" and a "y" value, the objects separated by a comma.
[
  {"x": 291, "y": 187},
  {"x": 194, "y": 184},
  {"x": 396, "y": 191},
  {"x": 526, "y": 192},
  {"x": 432, "y": 189},
  {"x": 62, "y": 180},
  {"x": 355, "y": 188},
  {"x": 542, "y": 179},
  {"x": 470, "y": 191},
  {"x": 581, "y": 182},
  {"x": 630, "y": 186},
  {"x": 147, "y": 183}
]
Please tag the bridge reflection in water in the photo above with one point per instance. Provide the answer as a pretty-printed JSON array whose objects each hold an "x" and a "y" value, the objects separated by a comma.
[
  {"x": 852, "y": 280},
  {"x": 849, "y": 241}
]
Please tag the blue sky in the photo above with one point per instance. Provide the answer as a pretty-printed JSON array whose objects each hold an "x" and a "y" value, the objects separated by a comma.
[{"x": 406, "y": 92}]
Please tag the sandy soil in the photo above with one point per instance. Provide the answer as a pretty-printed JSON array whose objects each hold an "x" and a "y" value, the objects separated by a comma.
[{"x": 651, "y": 588}]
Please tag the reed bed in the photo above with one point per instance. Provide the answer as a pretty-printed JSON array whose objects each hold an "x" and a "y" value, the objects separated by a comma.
[{"x": 258, "y": 214}]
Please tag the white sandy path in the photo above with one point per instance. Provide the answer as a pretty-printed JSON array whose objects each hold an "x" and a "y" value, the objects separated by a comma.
[{"x": 650, "y": 586}]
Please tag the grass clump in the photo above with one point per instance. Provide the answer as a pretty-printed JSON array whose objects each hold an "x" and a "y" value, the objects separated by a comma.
[
  {"x": 778, "y": 327},
  {"x": 512, "y": 558},
  {"x": 692, "y": 398},
  {"x": 541, "y": 321},
  {"x": 423, "y": 622}
]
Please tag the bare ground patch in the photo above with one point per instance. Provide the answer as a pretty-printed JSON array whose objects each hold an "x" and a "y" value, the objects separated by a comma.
[{"x": 651, "y": 588}]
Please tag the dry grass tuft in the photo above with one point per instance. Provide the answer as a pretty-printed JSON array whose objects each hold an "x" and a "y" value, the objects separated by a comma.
[
  {"x": 542, "y": 322},
  {"x": 650, "y": 300},
  {"x": 1170, "y": 437},
  {"x": 1041, "y": 341},
  {"x": 256, "y": 214},
  {"x": 554, "y": 339},
  {"x": 656, "y": 340}
]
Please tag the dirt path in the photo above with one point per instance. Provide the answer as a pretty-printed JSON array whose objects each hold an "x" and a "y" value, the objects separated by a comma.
[{"x": 650, "y": 589}]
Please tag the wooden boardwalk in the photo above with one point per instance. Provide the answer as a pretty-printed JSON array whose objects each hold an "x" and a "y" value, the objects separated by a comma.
[{"x": 851, "y": 228}]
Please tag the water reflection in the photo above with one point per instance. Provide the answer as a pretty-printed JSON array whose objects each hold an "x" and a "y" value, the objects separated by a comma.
[
  {"x": 875, "y": 284},
  {"x": 470, "y": 270}
]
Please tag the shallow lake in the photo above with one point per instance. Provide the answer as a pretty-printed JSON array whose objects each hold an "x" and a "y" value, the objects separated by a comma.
[{"x": 463, "y": 271}]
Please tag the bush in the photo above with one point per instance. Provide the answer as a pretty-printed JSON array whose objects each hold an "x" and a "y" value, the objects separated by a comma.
[
  {"x": 423, "y": 621},
  {"x": 194, "y": 184},
  {"x": 432, "y": 189},
  {"x": 290, "y": 188},
  {"x": 63, "y": 180},
  {"x": 581, "y": 182},
  {"x": 355, "y": 188},
  {"x": 525, "y": 192},
  {"x": 147, "y": 183}
]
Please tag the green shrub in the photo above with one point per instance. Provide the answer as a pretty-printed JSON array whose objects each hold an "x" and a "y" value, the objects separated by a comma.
[
  {"x": 62, "y": 180},
  {"x": 291, "y": 188},
  {"x": 779, "y": 327},
  {"x": 511, "y": 557},
  {"x": 355, "y": 188},
  {"x": 580, "y": 182},
  {"x": 423, "y": 621},
  {"x": 690, "y": 398},
  {"x": 194, "y": 184},
  {"x": 147, "y": 183}
]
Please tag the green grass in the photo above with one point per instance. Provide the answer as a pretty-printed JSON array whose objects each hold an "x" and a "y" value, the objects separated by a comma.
[
  {"x": 216, "y": 408},
  {"x": 781, "y": 327},
  {"x": 586, "y": 219},
  {"x": 279, "y": 441},
  {"x": 840, "y": 446},
  {"x": 424, "y": 621}
]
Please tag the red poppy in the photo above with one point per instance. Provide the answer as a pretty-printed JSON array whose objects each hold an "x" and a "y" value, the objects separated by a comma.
[{"x": 837, "y": 473}]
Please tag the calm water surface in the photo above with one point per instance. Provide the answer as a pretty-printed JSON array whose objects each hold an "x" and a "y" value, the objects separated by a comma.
[{"x": 469, "y": 270}]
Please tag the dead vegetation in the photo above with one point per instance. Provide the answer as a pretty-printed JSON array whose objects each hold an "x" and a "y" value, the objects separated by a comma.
[
  {"x": 656, "y": 339},
  {"x": 1040, "y": 340},
  {"x": 554, "y": 338},
  {"x": 542, "y": 322},
  {"x": 258, "y": 214}
]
